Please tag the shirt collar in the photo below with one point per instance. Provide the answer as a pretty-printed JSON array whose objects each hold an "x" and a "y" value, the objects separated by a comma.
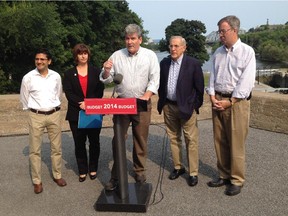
[
  {"x": 179, "y": 60},
  {"x": 36, "y": 72},
  {"x": 234, "y": 45},
  {"x": 130, "y": 55}
]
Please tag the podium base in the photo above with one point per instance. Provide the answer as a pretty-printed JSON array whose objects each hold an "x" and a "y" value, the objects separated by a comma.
[{"x": 137, "y": 200}]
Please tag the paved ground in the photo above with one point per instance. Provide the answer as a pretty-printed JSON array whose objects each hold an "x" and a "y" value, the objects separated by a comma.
[{"x": 265, "y": 191}]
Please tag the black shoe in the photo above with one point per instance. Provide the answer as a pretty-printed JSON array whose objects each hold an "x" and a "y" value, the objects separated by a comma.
[
  {"x": 140, "y": 178},
  {"x": 218, "y": 182},
  {"x": 192, "y": 180},
  {"x": 92, "y": 177},
  {"x": 233, "y": 190},
  {"x": 176, "y": 173},
  {"x": 111, "y": 185},
  {"x": 83, "y": 178}
]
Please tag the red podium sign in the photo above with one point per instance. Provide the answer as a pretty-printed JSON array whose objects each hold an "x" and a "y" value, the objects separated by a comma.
[{"x": 111, "y": 106}]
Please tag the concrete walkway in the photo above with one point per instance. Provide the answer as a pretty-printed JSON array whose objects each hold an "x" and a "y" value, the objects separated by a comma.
[{"x": 265, "y": 191}]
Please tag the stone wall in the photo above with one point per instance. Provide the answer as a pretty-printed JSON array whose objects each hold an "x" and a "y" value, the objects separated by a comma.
[{"x": 269, "y": 111}]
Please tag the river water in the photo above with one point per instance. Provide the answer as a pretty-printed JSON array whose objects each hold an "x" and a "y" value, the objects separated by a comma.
[{"x": 208, "y": 64}]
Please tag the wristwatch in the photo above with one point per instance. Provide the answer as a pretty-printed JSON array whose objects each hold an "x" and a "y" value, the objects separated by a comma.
[{"x": 231, "y": 101}]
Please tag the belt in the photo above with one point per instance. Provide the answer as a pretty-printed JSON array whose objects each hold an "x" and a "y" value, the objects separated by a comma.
[
  {"x": 45, "y": 112},
  {"x": 228, "y": 95},
  {"x": 171, "y": 102}
]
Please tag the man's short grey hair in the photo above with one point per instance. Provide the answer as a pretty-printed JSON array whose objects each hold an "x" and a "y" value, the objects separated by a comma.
[
  {"x": 183, "y": 41},
  {"x": 133, "y": 28},
  {"x": 232, "y": 20}
]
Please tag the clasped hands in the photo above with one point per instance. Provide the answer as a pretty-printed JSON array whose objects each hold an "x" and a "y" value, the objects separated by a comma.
[{"x": 220, "y": 105}]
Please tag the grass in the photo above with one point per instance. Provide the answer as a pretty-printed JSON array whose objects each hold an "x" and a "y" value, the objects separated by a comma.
[{"x": 206, "y": 79}]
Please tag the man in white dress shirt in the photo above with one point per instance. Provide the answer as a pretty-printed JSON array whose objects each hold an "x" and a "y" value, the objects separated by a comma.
[
  {"x": 231, "y": 81},
  {"x": 141, "y": 73},
  {"x": 40, "y": 93}
]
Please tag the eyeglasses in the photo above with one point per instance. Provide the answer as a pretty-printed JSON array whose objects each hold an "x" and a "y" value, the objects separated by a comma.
[
  {"x": 174, "y": 46},
  {"x": 40, "y": 59},
  {"x": 223, "y": 31}
]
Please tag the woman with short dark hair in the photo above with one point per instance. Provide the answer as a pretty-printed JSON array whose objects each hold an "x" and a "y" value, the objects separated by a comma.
[{"x": 80, "y": 82}]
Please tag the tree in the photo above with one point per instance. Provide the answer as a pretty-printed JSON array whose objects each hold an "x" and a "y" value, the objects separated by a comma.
[
  {"x": 193, "y": 32},
  {"x": 270, "y": 44},
  {"x": 59, "y": 25},
  {"x": 272, "y": 51},
  {"x": 99, "y": 24},
  {"x": 23, "y": 30}
]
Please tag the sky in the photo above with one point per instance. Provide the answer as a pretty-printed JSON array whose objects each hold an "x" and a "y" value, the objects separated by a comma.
[{"x": 158, "y": 14}]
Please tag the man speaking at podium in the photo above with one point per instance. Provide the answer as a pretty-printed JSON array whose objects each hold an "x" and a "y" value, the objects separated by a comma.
[{"x": 140, "y": 70}]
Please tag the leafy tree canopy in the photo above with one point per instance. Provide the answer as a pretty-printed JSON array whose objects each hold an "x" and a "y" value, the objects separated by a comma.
[
  {"x": 58, "y": 25},
  {"x": 269, "y": 44},
  {"x": 193, "y": 32},
  {"x": 23, "y": 30}
]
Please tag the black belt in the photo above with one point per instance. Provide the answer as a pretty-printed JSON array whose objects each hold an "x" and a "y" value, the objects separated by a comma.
[
  {"x": 45, "y": 112},
  {"x": 228, "y": 95},
  {"x": 171, "y": 102}
]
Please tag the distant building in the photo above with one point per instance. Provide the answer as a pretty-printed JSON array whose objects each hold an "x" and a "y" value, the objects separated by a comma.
[
  {"x": 149, "y": 41},
  {"x": 213, "y": 37}
]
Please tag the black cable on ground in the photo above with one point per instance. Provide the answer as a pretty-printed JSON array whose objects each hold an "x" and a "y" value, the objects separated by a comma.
[{"x": 161, "y": 168}]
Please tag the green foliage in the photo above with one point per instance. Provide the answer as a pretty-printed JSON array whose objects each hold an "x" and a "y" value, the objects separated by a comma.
[
  {"x": 163, "y": 45},
  {"x": 58, "y": 25},
  {"x": 269, "y": 43},
  {"x": 206, "y": 78},
  {"x": 23, "y": 30},
  {"x": 193, "y": 32},
  {"x": 99, "y": 24},
  {"x": 4, "y": 82}
]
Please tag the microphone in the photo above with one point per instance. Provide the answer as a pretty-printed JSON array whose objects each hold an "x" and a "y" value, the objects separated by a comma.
[{"x": 117, "y": 79}]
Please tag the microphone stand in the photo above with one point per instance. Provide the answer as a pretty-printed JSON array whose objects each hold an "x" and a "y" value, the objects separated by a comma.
[
  {"x": 127, "y": 197},
  {"x": 132, "y": 197},
  {"x": 120, "y": 150}
]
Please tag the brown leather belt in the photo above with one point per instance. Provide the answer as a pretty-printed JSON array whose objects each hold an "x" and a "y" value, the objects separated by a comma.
[
  {"x": 45, "y": 112},
  {"x": 228, "y": 95}
]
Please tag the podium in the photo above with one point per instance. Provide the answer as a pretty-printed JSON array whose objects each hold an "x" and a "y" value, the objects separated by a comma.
[{"x": 128, "y": 197}]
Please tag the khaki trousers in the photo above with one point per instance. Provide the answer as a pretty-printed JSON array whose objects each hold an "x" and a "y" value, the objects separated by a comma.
[
  {"x": 37, "y": 125},
  {"x": 175, "y": 126},
  {"x": 230, "y": 129}
]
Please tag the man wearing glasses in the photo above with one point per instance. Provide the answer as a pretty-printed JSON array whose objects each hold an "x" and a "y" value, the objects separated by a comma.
[
  {"x": 180, "y": 97},
  {"x": 231, "y": 81},
  {"x": 40, "y": 93}
]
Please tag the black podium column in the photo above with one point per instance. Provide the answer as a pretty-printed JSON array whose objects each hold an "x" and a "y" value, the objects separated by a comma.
[
  {"x": 132, "y": 197},
  {"x": 121, "y": 158}
]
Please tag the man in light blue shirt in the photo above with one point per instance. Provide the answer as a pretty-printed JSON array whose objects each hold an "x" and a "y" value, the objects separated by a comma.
[
  {"x": 231, "y": 81},
  {"x": 141, "y": 73}
]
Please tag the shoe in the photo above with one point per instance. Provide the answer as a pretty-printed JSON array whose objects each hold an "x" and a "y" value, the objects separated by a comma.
[
  {"x": 140, "y": 178},
  {"x": 111, "y": 185},
  {"x": 176, "y": 173},
  {"x": 92, "y": 177},
  {"x": 82, "y": 178},
  {"x": 60, "y": 182},
  {"x": 233, "y": 190},
  {"x": 38, "y": 188},
  {"x": 192, "y": 180},
  {"x": 218, "y": 182}
]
